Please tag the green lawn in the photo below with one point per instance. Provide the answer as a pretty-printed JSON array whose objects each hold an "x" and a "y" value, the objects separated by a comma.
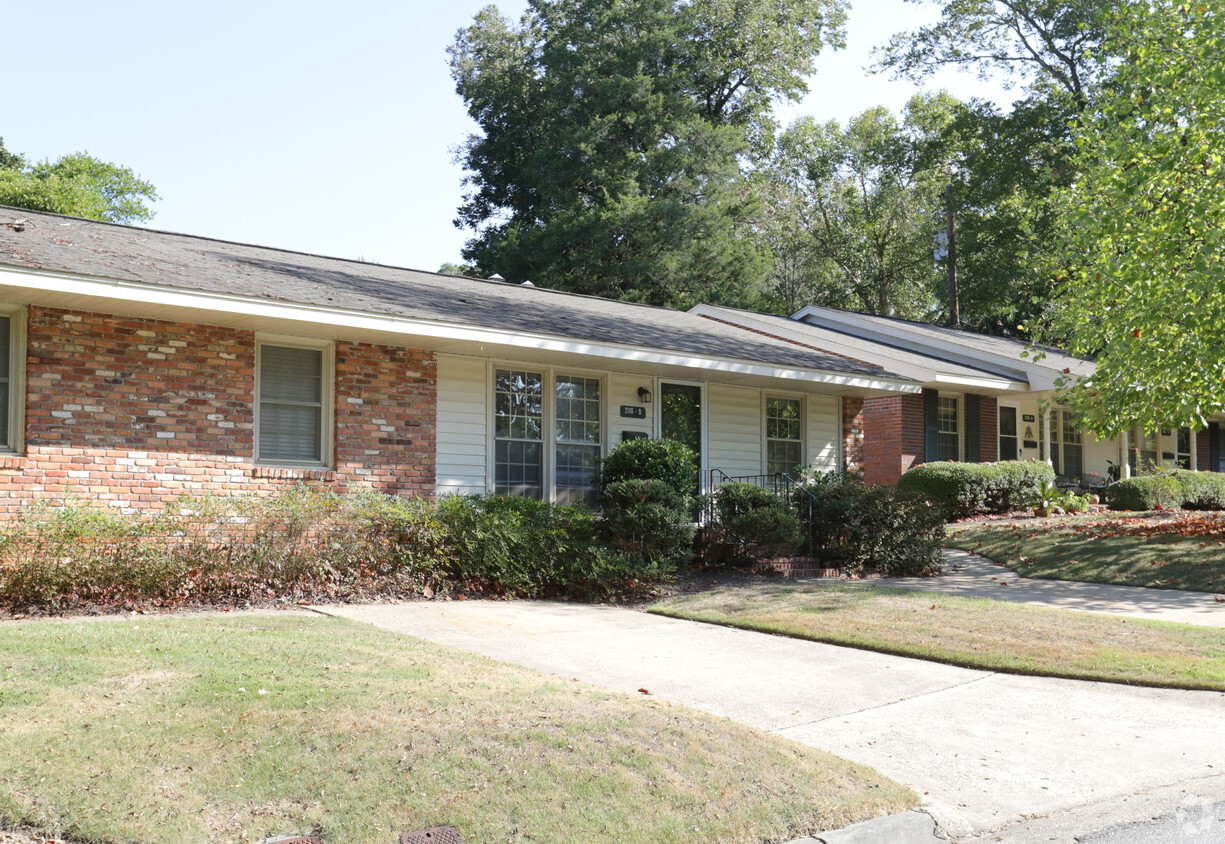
[
  {"x": 1166, "y": 551},
  {"x": 976, "y": 633},
  {"x": 233, "y": 728}
]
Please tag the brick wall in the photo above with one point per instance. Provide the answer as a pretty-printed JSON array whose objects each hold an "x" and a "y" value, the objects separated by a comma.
[
  {"x": 134, "y": 412},
  {"x": 893, "y": 437},
  {"x": 852, "y": 434}
]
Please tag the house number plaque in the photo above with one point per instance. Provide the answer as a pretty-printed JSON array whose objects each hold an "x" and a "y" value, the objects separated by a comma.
[{"x": 630, "y": 411}]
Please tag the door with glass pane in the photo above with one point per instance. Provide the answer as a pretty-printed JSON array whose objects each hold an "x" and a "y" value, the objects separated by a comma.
[
  {"x": 680, "y": 419},
  {"x": 1008, "y": 432}
]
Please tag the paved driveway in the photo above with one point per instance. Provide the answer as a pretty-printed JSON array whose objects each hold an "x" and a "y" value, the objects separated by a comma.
[{"x": 987, "y": 751}]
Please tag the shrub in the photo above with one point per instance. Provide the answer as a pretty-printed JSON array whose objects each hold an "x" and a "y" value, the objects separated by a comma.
[
  {"x": 960, "y": 490},
  {"x": 1168, "y": 488},
  {"x": 647, "y": 459},
  {"x": 516, "y": 544},
  {"x": 647, "y": 500},
  {"x": 757, "y": 517},
  {"x": 893, "y": 533},
  {"x": 876, "y": 528}
]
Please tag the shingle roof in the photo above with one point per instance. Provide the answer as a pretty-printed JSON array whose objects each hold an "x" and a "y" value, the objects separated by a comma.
[
  {"x": 125, "y": 253},
  {"x": 934, "y": 337}
]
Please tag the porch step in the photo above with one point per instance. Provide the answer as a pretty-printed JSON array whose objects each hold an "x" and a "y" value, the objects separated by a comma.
[{"x": 795, "y": 567}]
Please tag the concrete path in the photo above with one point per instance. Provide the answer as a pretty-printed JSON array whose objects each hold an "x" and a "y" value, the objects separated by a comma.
[
  {"x": 978, "y": 577},
  {"x": 987, "y": 752}
]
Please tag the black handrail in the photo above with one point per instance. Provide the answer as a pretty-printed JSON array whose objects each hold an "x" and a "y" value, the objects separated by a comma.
[{"x": 778, "y": 483}]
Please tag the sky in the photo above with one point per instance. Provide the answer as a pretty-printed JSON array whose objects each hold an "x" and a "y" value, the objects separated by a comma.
[{"x": 317, "y": 127}]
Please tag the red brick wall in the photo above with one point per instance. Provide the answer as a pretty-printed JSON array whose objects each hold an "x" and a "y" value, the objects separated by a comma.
[
  {"x": 988, "y": 429},
  {"x": 893, "y": 437},
  {"x": 852, "y": 434},
  {"x": 134, "y": 412}
]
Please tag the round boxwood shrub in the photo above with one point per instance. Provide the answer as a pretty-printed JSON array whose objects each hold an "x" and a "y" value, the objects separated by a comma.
[{"x": 757, "y": 517}]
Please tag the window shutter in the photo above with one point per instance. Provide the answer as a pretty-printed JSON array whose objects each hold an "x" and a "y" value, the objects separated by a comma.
[
  {"x": 931, "y": 426},
  {"x": 1214, "y": 447},
  {"x": 973, "y": 429}
]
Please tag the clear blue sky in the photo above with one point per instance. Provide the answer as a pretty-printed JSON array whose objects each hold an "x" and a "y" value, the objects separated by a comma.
[{"x": 321, "y": 127}]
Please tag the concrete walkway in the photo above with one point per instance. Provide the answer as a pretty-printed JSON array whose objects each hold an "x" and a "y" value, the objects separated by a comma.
[
  {"x": 987, "y": 752},
  {"x": 974, "y": 576}
]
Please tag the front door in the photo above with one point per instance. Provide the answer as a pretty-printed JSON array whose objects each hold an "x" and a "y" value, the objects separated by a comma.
[
  {"x": 680, "y": 418},
  {"x": 1008, "y": 432}
]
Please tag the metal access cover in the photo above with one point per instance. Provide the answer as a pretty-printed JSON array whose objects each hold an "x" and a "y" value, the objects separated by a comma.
[{"x": 437, "y": 835}]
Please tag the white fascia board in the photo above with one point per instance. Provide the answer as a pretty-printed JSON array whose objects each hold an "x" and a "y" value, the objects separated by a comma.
[{"x": 224, "y": 303}]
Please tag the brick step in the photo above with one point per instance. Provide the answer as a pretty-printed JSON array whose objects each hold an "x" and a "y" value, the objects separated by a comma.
[{"x": 795, "y": 567}]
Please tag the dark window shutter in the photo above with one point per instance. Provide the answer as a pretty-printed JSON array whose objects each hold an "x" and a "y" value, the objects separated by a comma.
[
  {"x": 1214, "y": 447},
  {"x": 931, "y": 426},
  {"x": 973, "y": 430}
]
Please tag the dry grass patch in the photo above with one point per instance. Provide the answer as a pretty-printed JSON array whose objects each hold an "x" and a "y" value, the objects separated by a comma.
[
  {"x": 236, "y": 728},
  {"x": 975, "y": 633}
]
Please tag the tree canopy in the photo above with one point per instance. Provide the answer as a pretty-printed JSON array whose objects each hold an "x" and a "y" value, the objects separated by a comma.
[
  {"x": 852, "y": 212},
  {"x": 1145, "y": 286},
  {"x": 76, "y": 184},
  {"x": 613, "y": 135}
]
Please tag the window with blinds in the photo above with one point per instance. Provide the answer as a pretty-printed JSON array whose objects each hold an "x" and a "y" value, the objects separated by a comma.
[
  {"x": 292, "y": 403},
  {"x": 6, "y": 357}
]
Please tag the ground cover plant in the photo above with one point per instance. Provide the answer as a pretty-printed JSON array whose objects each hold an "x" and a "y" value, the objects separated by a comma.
[
  {"x": 235, "y": 727},
  {"x": 1165, "y": 550},
  {"x": 975, "y": 633}
]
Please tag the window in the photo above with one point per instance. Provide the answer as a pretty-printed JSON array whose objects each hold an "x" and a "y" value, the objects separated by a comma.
[
  {"x": 6, "y": 383},
  {"x": 518, "y": 433},
  {"x": 294, "y": 389},
  {"x": 531, "y": 422},
  {"x": 1182, "y": 448},
  {"x": 949, "y": 439},
  {"x": 784, "y": 441},
  {"x": 1073, "y": 462},
  {"x": 577, "y": 429},
  {"x": 1142, "y": 450}
]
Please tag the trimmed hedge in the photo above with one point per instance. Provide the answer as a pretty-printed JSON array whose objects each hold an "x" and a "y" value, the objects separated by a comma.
[
  {"x": 961, "y": 490},
  {"x": 1176, "y": 488}
]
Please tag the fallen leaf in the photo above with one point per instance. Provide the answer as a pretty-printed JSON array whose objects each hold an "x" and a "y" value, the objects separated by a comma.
[{"x": 644, "y": 691}]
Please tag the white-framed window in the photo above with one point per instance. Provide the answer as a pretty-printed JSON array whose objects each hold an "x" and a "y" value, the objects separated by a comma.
[
  {"x": 948, "y": 419},
  {"x": 12, "y": 378},
  {"x": 293, "y": 408},
  {"x": 784, "y": 435},
  {"x": 548, "y": 433}
]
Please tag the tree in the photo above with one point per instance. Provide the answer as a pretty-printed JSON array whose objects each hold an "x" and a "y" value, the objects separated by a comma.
[
  {"x": 613, "y": 134},
  {"x": 1008, "y": 169},
  {"x": 1146, "y": 294},
  {"x": 1034, "y": 41},
  {"x": 852, "y": 212},
  {"x": 75, "y": 184}
]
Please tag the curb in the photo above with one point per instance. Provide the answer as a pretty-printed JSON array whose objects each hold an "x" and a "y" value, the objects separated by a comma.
[{"x": 914, "y": 827}]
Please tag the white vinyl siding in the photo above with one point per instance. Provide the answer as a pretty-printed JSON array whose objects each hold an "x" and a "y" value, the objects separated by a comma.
[
  {"x": 294, "y": 390},
  {"x": 824, "y": 433},
  {"x": 461, "y": 438},
  {"x": 734, "y": 430}
]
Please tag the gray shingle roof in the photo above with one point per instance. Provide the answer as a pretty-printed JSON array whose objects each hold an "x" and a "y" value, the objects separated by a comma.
[
  {"x": 934, "y": 337},
  {"x": 125, "y": 253}
]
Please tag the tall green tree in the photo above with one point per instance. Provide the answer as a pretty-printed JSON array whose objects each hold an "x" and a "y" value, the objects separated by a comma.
[
  {"x": 613, "y": 134},
  {"x": 1008, "y": 168},
  {"x": 1145, "y": 289},
  {"x": 76, "y": 184},
  {"x": 852, "y": 212}
]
